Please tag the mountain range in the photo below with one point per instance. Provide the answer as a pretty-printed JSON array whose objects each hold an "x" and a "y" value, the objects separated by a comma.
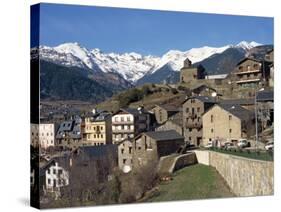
[
  {"x": 115, "y": 71},
  {"x": 131, "y": 66}
]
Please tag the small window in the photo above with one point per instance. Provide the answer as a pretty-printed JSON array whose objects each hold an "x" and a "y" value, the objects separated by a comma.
[
  {"x": 130, "y": 150},
  {"x": 124, "y": 161},
  {"x": 230, "y": 117},
  {"x": 122, "y": 151},
  {"x": 187, "y": 110},
  {"x": 212, "y": 118},
  {"x": 54, "y": 171},
  {"x": 230, "y": 130},
  {"x": 49, "y": 181},
  {"x": 198, "y": 109},
  {"x": 212, "y": 130}
]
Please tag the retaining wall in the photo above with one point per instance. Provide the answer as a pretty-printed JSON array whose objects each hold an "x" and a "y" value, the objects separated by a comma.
[{"x": 245, "y": 177}]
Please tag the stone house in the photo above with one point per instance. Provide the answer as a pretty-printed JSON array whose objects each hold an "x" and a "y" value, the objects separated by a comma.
[
  {"x": 190, "y": 73},
  {"x": 98, "y": 130},
  {"x": 125, "y": 155},
  {"x": 175, "y": 122},
  {"x": 150, "y": 146},
  {"x": 193, "y": 109},
  {"x": 202, "y": 90},
  {"x": 127, "y": 123},
  {"x": 163, "y": 112},
  {"x": 227, "y": 122},
  {"x": 250, "y": 73}
]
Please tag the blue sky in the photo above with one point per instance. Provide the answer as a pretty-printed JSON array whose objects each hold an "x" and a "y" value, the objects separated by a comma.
[{"x": 146, "y": 31}]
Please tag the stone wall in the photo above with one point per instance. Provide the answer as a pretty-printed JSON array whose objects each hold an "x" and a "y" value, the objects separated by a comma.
[{"x": 245, "y": 177}]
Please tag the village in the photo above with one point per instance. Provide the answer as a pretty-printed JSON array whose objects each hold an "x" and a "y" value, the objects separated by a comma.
[{"x": 88, "y": 156}]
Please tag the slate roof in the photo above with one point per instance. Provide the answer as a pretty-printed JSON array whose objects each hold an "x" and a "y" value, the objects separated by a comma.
[
  {"x": 164, "y": 135},
  {"x": 98, "y": 151},
  {"x": 248, "y": 58},
  {"x": 205, "y": 99},
  {"x": 199, "y": 87},
  {"x": 265, "y": 96},
  {"x": 169, "y": 107},
  {"x": 72, "y": 127},
  {"x": 237, "y": 111},
  {"x": 133, "y": 111},
  {"x": 238, "y": 101}
]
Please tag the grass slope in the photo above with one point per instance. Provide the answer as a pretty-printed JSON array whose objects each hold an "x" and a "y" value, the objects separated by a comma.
[{"x": 193, "y": 182}]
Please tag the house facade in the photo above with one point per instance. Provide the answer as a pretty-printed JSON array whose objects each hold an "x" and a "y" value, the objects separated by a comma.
[
  {"x": 56, "y": 174},
  {"x": 43, "y": 135},
  {"x": 127, "y": 123},
  {"x": 97, "y": 130},
  {"x": 125, "y": 155},
  {"x": 46, "y": 135},
  {"x": 227, "y": 122},
  {"x": 250, "y": 73},
  {"x": 193, "y": 109}
]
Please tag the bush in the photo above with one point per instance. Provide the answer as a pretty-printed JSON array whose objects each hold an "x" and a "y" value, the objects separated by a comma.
[{"x": 174, "y": 91}]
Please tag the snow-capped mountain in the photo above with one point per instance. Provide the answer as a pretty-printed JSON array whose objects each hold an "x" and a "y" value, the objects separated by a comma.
[{"x": 131, "y": 66}]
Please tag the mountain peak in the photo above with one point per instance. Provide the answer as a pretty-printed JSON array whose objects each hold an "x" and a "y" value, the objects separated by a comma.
[{"x": 248, "y": 45}]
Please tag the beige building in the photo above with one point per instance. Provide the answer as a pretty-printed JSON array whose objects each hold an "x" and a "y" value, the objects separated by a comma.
[
  {"x": 190, "y": 74},
  {"x": 97, "y": 130},
  {"x": 43, "y": 135},
  {"x": 193, "y": 109},
  {"x": 127, "y": 123},
  {"x": 227, "y": 122}
]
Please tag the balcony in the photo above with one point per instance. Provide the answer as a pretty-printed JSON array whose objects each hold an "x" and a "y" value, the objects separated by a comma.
[
  {"x": 122, "y": 122},
  {"x": 247, "y": 72},
  {"x": 247, "y": 81},
  {"x": 123, "y": 131}
]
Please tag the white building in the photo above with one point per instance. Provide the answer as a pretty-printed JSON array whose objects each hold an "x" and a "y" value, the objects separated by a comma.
[
  {"x": 56, "y": 177},
  {"x": 127, "y": 123},
  {"x": 44, "y": 135}
]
